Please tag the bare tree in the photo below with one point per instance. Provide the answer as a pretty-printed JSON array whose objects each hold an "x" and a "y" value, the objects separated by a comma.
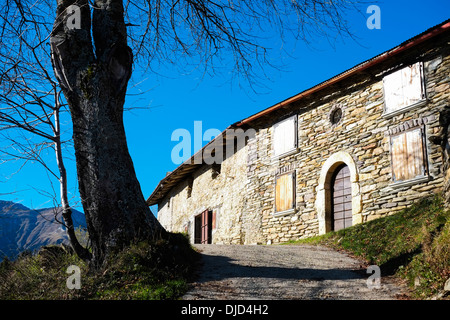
[
  {"x": 31, "y": 103},
  {"x": 93, "y": 59}
]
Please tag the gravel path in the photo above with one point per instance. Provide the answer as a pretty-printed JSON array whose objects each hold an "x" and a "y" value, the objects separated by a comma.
[{"x": 283, "y": 272}]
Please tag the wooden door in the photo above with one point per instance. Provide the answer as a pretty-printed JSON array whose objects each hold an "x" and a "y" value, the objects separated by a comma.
[
  {"x": 341, "y": 198},
  {"x": 198, "y": 229},
  {"x": 203, "y": 228}
]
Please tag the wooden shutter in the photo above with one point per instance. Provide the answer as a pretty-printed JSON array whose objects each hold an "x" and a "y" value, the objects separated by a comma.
[
  {"x": 206, "y": 227},
  {"x": 393, "y": 93},
  {"x": 399, "y": 157},
  {"x": 408, "y": 159},
  {"x": 403, "y": 87},
  {"x": 412, "y": 84},
  {"x": 415, "y": 153},
  {"x": 284, "y": 192},
  {"x": 284, "y": 136}
]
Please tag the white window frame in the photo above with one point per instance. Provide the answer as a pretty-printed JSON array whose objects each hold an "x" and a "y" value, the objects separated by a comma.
[
  {"x": 283, "y": 125},
  {"x": 391, "y": 111}
]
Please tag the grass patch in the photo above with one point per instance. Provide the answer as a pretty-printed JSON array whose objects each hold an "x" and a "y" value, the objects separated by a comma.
[
  {"x": 413, "y": 243},
  {"x": 146, "y": 270}
]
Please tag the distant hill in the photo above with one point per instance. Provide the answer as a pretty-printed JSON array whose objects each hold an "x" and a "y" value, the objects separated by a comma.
[{"x": 22, "y": 228}]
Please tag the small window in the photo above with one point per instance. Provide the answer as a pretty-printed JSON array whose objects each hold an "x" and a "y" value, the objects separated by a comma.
[
  {"x": 408, "y": 156},
  {"x": 284, "y": 192},
  {"x": 403, "y": 88},
  {"x": 189, "y": 186},
  {"x": 215, "y": 170},
  {"x": 285, "y": 136},
  {"x": 335, "y": 115}
]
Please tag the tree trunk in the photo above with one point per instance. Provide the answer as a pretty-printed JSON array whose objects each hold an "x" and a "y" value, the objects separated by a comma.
[
  {"x": 82, "y": 252},
  {"x": 95, "y": 85}
]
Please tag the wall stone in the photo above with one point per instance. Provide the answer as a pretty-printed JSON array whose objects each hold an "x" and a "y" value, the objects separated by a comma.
[
  {"x": 243, "y": 195},
  {"x": 221, "y": 194},
  {"x": 363, "y": 134}
]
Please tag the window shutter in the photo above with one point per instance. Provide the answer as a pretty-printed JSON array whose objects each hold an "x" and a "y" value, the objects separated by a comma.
[
  {"x": 408, "y": 160},
  {"x": 284, "y": 136},
  {"x": 403, "y": 87},
  {"x": 399, "y": 158},
  {"x": 415, "y": 153},
  {"x": 412, "y": 84},
  {"x": 284, "y": 192},
  {"x": 393, "y": 92}
]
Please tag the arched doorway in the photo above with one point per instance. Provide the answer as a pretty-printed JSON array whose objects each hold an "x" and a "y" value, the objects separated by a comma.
[
  {"x": 341, "y": 198},
  {"x": 324, "y": 197}
]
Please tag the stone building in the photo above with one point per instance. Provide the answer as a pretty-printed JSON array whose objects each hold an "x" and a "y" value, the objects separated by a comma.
[{"x": 351, "y": 149}]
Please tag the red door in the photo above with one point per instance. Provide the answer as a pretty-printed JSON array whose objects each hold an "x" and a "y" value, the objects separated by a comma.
[
  {"x": 341, "y": 198},
  {"x": 203, "y": 227}
]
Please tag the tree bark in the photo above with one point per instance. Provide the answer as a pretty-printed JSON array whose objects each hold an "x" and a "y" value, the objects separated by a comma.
[
  {"x": 82, "y": 252},
  {"x": 95, "y": 85}
]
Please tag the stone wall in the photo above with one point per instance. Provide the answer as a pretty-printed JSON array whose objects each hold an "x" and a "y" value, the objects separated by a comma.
[
  {"x": 223, "y": 194},
  {"x": 363, "y": 136},
  {"x": 242, "y": 196}
]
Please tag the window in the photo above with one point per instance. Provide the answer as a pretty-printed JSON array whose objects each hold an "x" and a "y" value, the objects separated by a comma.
[
  {"x": 408, "y": 156},
  {"x": 215, "y": 170},
  {"x": 336, "y": 116},
  {"x": 285, "y": 193},
  {"x": 189, "y": 186},
  {"x": 285, "y": 137},
  {"x": 403, "y": 88}
]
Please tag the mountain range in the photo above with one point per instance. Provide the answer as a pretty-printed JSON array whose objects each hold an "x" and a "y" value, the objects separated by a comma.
[{"x": 22, "y": 228}]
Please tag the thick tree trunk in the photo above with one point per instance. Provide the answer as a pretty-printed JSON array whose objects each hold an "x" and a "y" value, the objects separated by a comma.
[{"x": 95, "y": 85}]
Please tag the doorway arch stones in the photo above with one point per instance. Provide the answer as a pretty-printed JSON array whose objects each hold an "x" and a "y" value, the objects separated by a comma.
[{"x": 323, "y": 197}]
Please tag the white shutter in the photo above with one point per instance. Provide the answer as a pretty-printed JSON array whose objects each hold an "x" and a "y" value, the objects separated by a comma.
[
  {"x": 393, "y": 92},
  {"x": 284, "y": 136},
  {"x": 412, "y": 84},
  {"x": 403, "y": 87}
]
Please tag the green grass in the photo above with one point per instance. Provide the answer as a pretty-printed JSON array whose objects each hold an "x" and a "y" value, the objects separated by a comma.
[
  {"x": 144, "y": 271},
  {"x": 413, "y": 244}
]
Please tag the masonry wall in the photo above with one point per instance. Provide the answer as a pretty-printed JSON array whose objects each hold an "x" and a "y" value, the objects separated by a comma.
[
  {"x": 243, "y": 194},
  {"x": 222, "y": 194},
  {"x": 363, "y": 134}
]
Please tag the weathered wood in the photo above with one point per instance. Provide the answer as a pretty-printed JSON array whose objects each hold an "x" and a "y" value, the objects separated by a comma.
[
  {"x": 284, "y": 198},
  {"x": 403, "y": 87},
  {"x": 341, "y": 198},
  {"x": 284, "y": 136},
  {"x": 407, "y": 155}
]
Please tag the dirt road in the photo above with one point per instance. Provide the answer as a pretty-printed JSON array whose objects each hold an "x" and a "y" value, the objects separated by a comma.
[{"x": 284, "y": 272}]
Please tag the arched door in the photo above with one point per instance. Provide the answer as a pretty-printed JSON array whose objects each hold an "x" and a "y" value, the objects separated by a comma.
[{"x": 341, "y": 197}]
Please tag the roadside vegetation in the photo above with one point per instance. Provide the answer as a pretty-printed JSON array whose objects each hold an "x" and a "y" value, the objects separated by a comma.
[
  {"x": 413, "y": 244},
  {"x": 146, "y": 270}
]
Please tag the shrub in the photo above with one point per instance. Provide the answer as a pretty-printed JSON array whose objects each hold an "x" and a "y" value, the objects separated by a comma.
[{"x": 145, "y": 270}]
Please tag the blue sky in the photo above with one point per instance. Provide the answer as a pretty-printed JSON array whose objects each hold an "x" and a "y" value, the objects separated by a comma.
[{"x": 176, "y": 100}]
